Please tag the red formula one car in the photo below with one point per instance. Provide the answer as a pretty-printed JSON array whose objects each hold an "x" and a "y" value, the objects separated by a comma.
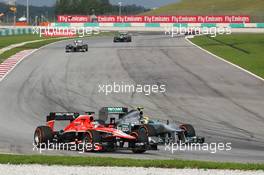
[{"x": 83, "y": 129}]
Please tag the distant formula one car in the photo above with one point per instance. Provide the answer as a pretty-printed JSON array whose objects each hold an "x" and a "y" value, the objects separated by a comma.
[
  {"x": 123, "y": 37},
  {"x": 192, "y": 32},
  {"x": 77, "y": 46},
  {"x": 158, "y": 132},
  {"x": 83, "y": 129}
]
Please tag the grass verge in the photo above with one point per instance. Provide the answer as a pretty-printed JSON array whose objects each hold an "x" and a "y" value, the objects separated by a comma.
[
  {"x": 15, "y": 39},
  {"x": 244, "y": 50},
  {"x": 99, "y": 161},
  {"x": 35, "y": 45}
]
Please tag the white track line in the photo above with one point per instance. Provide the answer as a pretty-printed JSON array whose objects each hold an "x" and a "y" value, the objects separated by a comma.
[
  {"x": 10, "y": 67},
  {"x": 33, "y": 51},
  {"x": 222, "y": 59}
]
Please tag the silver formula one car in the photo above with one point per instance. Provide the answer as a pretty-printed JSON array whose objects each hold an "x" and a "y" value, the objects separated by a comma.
[
  {"x": 159, "y": 132},
  {"x": 122, "y": 37},
  {"x": 77, "y": 46}
]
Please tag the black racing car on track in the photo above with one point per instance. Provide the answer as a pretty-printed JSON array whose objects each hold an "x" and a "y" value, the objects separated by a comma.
[
  {"x": 77, "y": 46},
  {"x": 192, "y": 32},
  {"x": 123, "y": 37},
  {"x": 159, "y": 132}
]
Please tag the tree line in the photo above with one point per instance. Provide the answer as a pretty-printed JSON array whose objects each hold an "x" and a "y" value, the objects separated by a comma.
[
  {"x": 62, "y": 7},
  {"x": 98, "y": 7},
  {"x": 7, "y": 17}
]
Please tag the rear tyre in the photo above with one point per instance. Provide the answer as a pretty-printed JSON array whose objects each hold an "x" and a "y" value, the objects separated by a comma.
[
  {"x": 43, "y": 135},
  {"x": 142, "y": 137}
]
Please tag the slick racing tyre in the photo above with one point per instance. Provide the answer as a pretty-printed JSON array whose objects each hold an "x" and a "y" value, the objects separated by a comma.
[
  {"x": 92, "y": 141},
  {"x": 151, "y": 131},
  {"x": 188, "y": 130},
  {"x": 43, "y": 135},
  {"x": 110, "y": 146},
  {"x": 142, "y": 137}
]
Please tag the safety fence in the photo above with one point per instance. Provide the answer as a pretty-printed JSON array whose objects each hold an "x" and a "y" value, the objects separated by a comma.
[{"x": 10, "y": 30}]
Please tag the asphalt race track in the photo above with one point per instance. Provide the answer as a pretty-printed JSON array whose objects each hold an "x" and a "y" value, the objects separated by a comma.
[{"x": 224, "y": 103}]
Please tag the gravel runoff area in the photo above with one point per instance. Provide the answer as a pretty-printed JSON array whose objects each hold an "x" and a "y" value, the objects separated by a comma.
[{"x": 77, "y": 170}]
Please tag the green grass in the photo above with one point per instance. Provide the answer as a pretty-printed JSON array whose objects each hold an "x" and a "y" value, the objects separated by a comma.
[
  {"x": 254, "y": 8},
  {"x": 15, "y": 39},
  {"x": 106, "y": 161},
  {"x": 244, "y": 50},
  {"x": 35, "y": 45}
]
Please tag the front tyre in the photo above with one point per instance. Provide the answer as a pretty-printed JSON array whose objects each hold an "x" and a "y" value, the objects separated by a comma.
[
  {"x": 92, "y": 141},
  {"x": 189, "y": 130}
]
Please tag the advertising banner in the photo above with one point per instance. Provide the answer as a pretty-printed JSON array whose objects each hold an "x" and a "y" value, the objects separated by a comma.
[
  {"x": 154, "y": 19},
  {"x": 73, "y": 19}
]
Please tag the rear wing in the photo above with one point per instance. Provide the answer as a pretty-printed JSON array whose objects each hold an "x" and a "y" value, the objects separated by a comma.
[
  {"x": 60, "y": 116},
  {"x": 105, "y": 111}
]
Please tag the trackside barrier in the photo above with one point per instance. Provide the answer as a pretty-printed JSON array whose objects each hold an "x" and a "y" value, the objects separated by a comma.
[
  {"x": 231, "y": 25},
  {"x": 15, "y": 31},
  {"x": 121, "y": 25},
  {"x": 10, "y": 30},
  {"x": 260, "y": 25}
]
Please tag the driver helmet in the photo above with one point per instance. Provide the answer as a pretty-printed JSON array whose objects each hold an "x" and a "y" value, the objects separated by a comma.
[{"x": 145, "y": 120}]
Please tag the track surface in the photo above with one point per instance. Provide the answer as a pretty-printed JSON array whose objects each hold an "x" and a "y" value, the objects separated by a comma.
[{"x": 222, "y": 102}]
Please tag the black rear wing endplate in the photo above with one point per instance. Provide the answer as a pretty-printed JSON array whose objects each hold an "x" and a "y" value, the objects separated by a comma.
[{"x": 60, "y": 116}]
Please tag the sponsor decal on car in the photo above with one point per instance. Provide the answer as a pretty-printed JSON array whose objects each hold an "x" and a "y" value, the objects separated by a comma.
[{"x": 114, "y": 110}]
